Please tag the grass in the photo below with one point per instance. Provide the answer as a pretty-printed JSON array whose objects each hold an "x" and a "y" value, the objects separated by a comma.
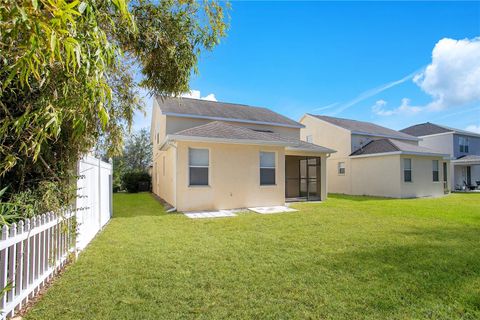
[{"x": 347, "y": 258}]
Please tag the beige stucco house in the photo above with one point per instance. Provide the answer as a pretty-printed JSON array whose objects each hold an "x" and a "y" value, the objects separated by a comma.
[
  {"x": 213, "y": 155},
  {"x": 374, "y": 160}
]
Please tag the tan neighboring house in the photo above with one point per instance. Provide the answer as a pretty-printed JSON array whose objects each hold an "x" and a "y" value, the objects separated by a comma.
[
  {"x": 214, "y": 155},
  {"x": 374, "y": 160}
]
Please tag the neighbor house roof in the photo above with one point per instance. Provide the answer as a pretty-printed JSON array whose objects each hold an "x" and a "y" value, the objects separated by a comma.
[
  {"x": 428, "y": 128},
  {"x": 468, "y": 159},
  {"x": 365, "y": 128},
  {"x": 425, "y": 129},
  {"x": 382, "y": 146},
  {"x": 218, "y": 131},
  {"x": 222, "y": 111}
]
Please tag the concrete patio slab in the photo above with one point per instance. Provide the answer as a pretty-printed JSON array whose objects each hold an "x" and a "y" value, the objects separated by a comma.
[
  {"x": 209, "y": 214},
  {"x": 272, "y": 210}
]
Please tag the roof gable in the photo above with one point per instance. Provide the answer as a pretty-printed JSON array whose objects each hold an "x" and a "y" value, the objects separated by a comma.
[
  {"x": 392, "y": 146},
  {"x": 222, "y": 111},
  {"x": 428, "y": 128},
  {"x": 425, "y": 129},
  {"x": 218, "y": 131},
  {"x": 365, "y": 128}
]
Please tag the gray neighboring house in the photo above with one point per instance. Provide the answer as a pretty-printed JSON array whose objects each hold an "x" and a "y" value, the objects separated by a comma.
[{"x": 462, "y": 146}]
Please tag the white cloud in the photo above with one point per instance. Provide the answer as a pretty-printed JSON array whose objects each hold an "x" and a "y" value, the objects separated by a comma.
[
  {"x": 404, "y": 109},
  {"x": 453, "y": 76},
  {"x": 195, "y": 94},
  {"x": 473, "y": 128}
]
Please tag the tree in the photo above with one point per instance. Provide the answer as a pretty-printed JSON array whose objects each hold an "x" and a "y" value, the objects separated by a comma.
[
  {"x": 67, "y": 75},
  {"x": 138, "y": 151},
  {"x": 136, "y": 158}
]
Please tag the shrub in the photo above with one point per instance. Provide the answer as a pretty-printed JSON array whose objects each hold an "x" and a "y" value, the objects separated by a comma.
[{"x": 135, "y": 181}]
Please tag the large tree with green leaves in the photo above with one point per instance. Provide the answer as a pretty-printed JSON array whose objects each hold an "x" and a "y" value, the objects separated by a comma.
[{"x": 67, "y": 75}]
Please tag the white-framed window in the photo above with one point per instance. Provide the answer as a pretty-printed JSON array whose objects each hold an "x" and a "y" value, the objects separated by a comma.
[
  {"x": 267, "y": 168},
  {"x": 463, "y": 144},
  {"x": 435, "y": 171},
  {"x": 341, "y": 168},
  {"x": 198, "y": 165},
  {"x": 309, "y": 138},
  {"x": 407, "y": 170},
  {"x": 163, "y": 169}
]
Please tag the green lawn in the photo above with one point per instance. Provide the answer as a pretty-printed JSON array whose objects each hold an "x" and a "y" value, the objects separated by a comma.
[{"x": 347, "y": 258}]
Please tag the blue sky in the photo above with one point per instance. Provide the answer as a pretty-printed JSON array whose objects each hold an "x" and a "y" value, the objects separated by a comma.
[{"x": 360, "y": 60}]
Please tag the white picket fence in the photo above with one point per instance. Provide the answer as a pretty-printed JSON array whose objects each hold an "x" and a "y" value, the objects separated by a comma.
[{"x": 32, "y": 251}]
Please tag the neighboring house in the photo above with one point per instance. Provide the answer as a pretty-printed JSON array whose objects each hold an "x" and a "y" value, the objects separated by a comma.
[
  {"x": 374, "y": 160},
  {"x": 462, "y": 146},
  {"x": 214, "y": 155}
]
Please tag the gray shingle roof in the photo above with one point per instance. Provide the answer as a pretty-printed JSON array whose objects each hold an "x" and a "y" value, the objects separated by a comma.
[
  {"x": 428, "y": 128},
  {"x": 367, "y": 128},
  {"x": 197, "y": 108},
  {"x": 425, "y": 129},
  {"x": 471, "y": 158},
  {"x": 391, "y": 145},
  {"x": 221, "y": 131}
]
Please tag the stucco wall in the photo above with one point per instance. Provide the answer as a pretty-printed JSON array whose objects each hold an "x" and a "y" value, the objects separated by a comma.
[
  {"x": 164, "y": 180},
  {"x": 440, "y": 143},
  {"x": 234, "y": 178},
  {"x": 383, "y": 176},
  {"x": 336, "y": 138},
  {"x": 326, "y": 135},
  {"x": 422, "y": 184},
  {"x": 376, "y": 176}
]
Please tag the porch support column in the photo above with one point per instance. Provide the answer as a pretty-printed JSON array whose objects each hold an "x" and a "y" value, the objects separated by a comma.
[{"x": 323, "y": 178}]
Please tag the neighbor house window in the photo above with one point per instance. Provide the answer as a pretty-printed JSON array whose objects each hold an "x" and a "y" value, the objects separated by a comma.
[
  {"x": 341, "y": 168},
  {"x": 435, "y": 170},
  {"x": 309, "y": 138},
  {"x": 267, "y": 168},
  {"x": 463, "y": 142},
  {"x": 198, "y": 160},
  {"x": 407, "y": 170}
]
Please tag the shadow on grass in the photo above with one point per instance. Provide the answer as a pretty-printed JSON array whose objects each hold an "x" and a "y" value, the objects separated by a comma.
[
  {"x": 357, "y": 198},
  {"x": 434, "y": 270}
]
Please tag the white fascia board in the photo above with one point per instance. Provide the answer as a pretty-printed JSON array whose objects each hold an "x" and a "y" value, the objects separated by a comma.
[
  {"x": 195, "y": 116},
  {"x": 467, "y": 161}
]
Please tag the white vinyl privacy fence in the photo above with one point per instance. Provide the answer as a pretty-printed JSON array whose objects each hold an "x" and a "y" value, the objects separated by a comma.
[{"x": 31, "y": 251}]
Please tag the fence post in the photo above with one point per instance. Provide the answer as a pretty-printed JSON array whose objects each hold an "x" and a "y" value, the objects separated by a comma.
[
  {"x": 99, "y": 194},
  {"x": 3, "y": 268}
]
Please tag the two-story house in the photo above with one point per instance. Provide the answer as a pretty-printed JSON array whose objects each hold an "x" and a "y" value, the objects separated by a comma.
[
  {"x": 462, "y": 146},
  {"x": 214, "y": 155},
  {"x": 374, "y": 160}
]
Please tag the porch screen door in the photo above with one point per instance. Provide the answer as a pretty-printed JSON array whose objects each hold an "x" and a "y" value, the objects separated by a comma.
[{"x": 308, "y": 178}]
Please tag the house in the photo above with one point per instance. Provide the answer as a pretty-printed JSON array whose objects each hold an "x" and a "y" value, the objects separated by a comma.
[
  {"x": 463, "y": 148},
  {"x": 215, "y": 155},
  {"x": 374, "y": 160}
]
